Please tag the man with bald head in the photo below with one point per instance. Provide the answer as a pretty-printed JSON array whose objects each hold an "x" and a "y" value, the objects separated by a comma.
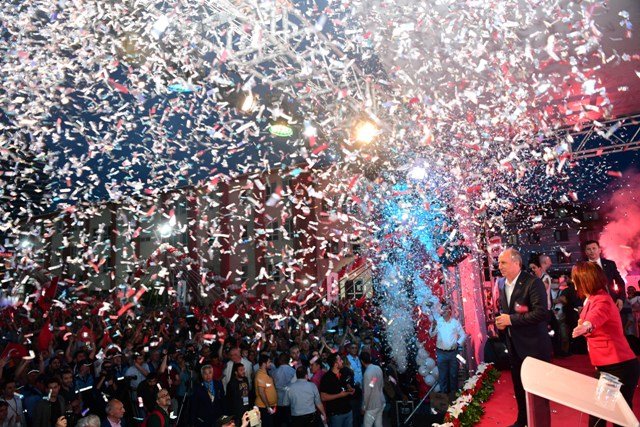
[{"x": 524, "y": 318}]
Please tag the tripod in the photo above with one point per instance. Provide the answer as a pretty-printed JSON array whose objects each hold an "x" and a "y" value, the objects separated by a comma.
[
  {"x": 406, "y": 422},
  {"x": 187, "y": 393}
]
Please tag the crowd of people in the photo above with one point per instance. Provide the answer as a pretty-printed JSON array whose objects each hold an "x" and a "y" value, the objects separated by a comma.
[
  {"x": 98, "y": 361},
  {"x": 193, "y": 366}
]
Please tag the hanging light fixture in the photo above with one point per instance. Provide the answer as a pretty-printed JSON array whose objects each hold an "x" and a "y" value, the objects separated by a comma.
[
  {"x": 248, "y": 102},
  {"x": 281, "y": 128},
  {"x": 365, "y": 131}
]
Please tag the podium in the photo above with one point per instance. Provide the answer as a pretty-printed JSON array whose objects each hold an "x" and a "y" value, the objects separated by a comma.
[{"x": 571, "y": 389}]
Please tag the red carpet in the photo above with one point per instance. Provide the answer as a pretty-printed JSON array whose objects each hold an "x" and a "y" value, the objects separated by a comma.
[{"x": 501, "y": 410}]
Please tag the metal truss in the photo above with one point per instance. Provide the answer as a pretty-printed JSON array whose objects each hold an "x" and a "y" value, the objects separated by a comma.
[
  {"x": 278, "y": 45},
  {"x": 600, "y": 138}
]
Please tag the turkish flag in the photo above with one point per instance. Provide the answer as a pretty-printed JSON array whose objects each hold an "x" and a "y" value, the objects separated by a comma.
[
  {"x": 106, "y": 340},
  {"x": 360, "y": 302},
  {"x": 48, "y": 294},
  {"x": 14, "y": 350},
  {"x": 45, "y": 337},
  {"x": 85, "y": 334}
]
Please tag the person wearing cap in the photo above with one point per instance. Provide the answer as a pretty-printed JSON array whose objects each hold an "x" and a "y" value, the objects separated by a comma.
[
  {"x": 303, "y": 398},
  {"x": 115, "y": 356},
  {"x": 228, "y": 421},
  {"x": 84, "y": 378},
  {"x": 449, "y": 338}
]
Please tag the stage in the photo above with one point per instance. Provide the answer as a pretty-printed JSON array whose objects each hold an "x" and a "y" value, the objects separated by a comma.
[{"x": 500, "y": 410}]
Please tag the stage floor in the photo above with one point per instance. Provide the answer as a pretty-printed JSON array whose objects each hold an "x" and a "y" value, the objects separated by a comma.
[{"x": 500, "y": 410}]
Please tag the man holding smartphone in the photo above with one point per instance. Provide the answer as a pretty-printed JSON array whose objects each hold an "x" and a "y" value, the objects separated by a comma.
[{"x": 336, "y": 394}]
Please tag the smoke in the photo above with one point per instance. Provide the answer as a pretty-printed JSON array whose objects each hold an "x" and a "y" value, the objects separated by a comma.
[{"x": 620, "y": 239}]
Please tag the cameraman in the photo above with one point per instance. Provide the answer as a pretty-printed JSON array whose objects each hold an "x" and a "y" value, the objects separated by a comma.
[
  {"x": 147, "y": 391},
  {"x": 109, "y": 384},
  {"x": 134, "y": 375}
]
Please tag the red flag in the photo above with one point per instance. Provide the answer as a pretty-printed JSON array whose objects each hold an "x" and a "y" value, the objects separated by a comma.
[
  {"x": 85, "y": 334},
  {"x": 45, "y": 337},
  {"x": 14, "y": 350},
  {"x": 48, "y": 294},
  {"x": 106, "y": 340},
  {"x": 360, "y": 302}
]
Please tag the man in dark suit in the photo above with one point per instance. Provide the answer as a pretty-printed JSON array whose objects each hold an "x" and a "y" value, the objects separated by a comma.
[
  {"x": 115, "y": 414},
  {"x": 524, "y": 319},
  {"x": 208, "y": 402},
  {"x": 616, "y": 284}
]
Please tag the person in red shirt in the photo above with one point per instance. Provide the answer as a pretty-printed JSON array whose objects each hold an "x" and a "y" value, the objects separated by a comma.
[{"x": 599, "y": 322}]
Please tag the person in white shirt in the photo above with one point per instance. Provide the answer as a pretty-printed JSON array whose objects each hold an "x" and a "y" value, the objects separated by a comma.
[
  {"x": 236, "y": 357},
  {"x": 138, "y": 371},
  {"x": 449, "y": 336},
  {"x": 15, "y": 413},
  {"x": 373, "y": 400}
]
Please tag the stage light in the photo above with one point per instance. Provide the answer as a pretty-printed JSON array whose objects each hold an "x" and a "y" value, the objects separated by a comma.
[
  {"x": 365, "y": 131},
  {"x": 248, "y": 103},
  {"x": 25, "y": 244},
  {"x": 417, "y": 173},
  {"x": 165, "y": 230},
  {"x": 281, "y": 129},
  {"x": 310, "y": 131}
]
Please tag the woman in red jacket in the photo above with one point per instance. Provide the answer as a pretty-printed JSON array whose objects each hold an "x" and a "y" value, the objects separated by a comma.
[{"x": 600, "y": 323}]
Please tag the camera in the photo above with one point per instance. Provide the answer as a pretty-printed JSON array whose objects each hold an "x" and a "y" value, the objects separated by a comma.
[{"x": 70, "y": 417}]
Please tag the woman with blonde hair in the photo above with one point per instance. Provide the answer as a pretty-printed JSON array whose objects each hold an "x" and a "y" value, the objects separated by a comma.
[{"x": 600, "y": 323}]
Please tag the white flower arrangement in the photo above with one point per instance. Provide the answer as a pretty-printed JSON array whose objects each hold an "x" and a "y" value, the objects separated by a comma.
[{"x": 457, "y": 406}]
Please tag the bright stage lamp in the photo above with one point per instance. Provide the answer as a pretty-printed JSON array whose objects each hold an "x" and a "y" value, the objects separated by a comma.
[
  {"x": 25, "y": 244},
  {"x": 165, "y": 230},
  {"x": 249, "y": 103},
  {"x": 310, "y": 131},
  {"x": 417, "y": 173},
  {"x": 365, "y": 131}
]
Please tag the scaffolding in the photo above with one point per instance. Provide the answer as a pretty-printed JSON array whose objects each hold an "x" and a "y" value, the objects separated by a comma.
[
  {"x": 607, "y": 137},
  {"x": 289, "y": 50}
]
